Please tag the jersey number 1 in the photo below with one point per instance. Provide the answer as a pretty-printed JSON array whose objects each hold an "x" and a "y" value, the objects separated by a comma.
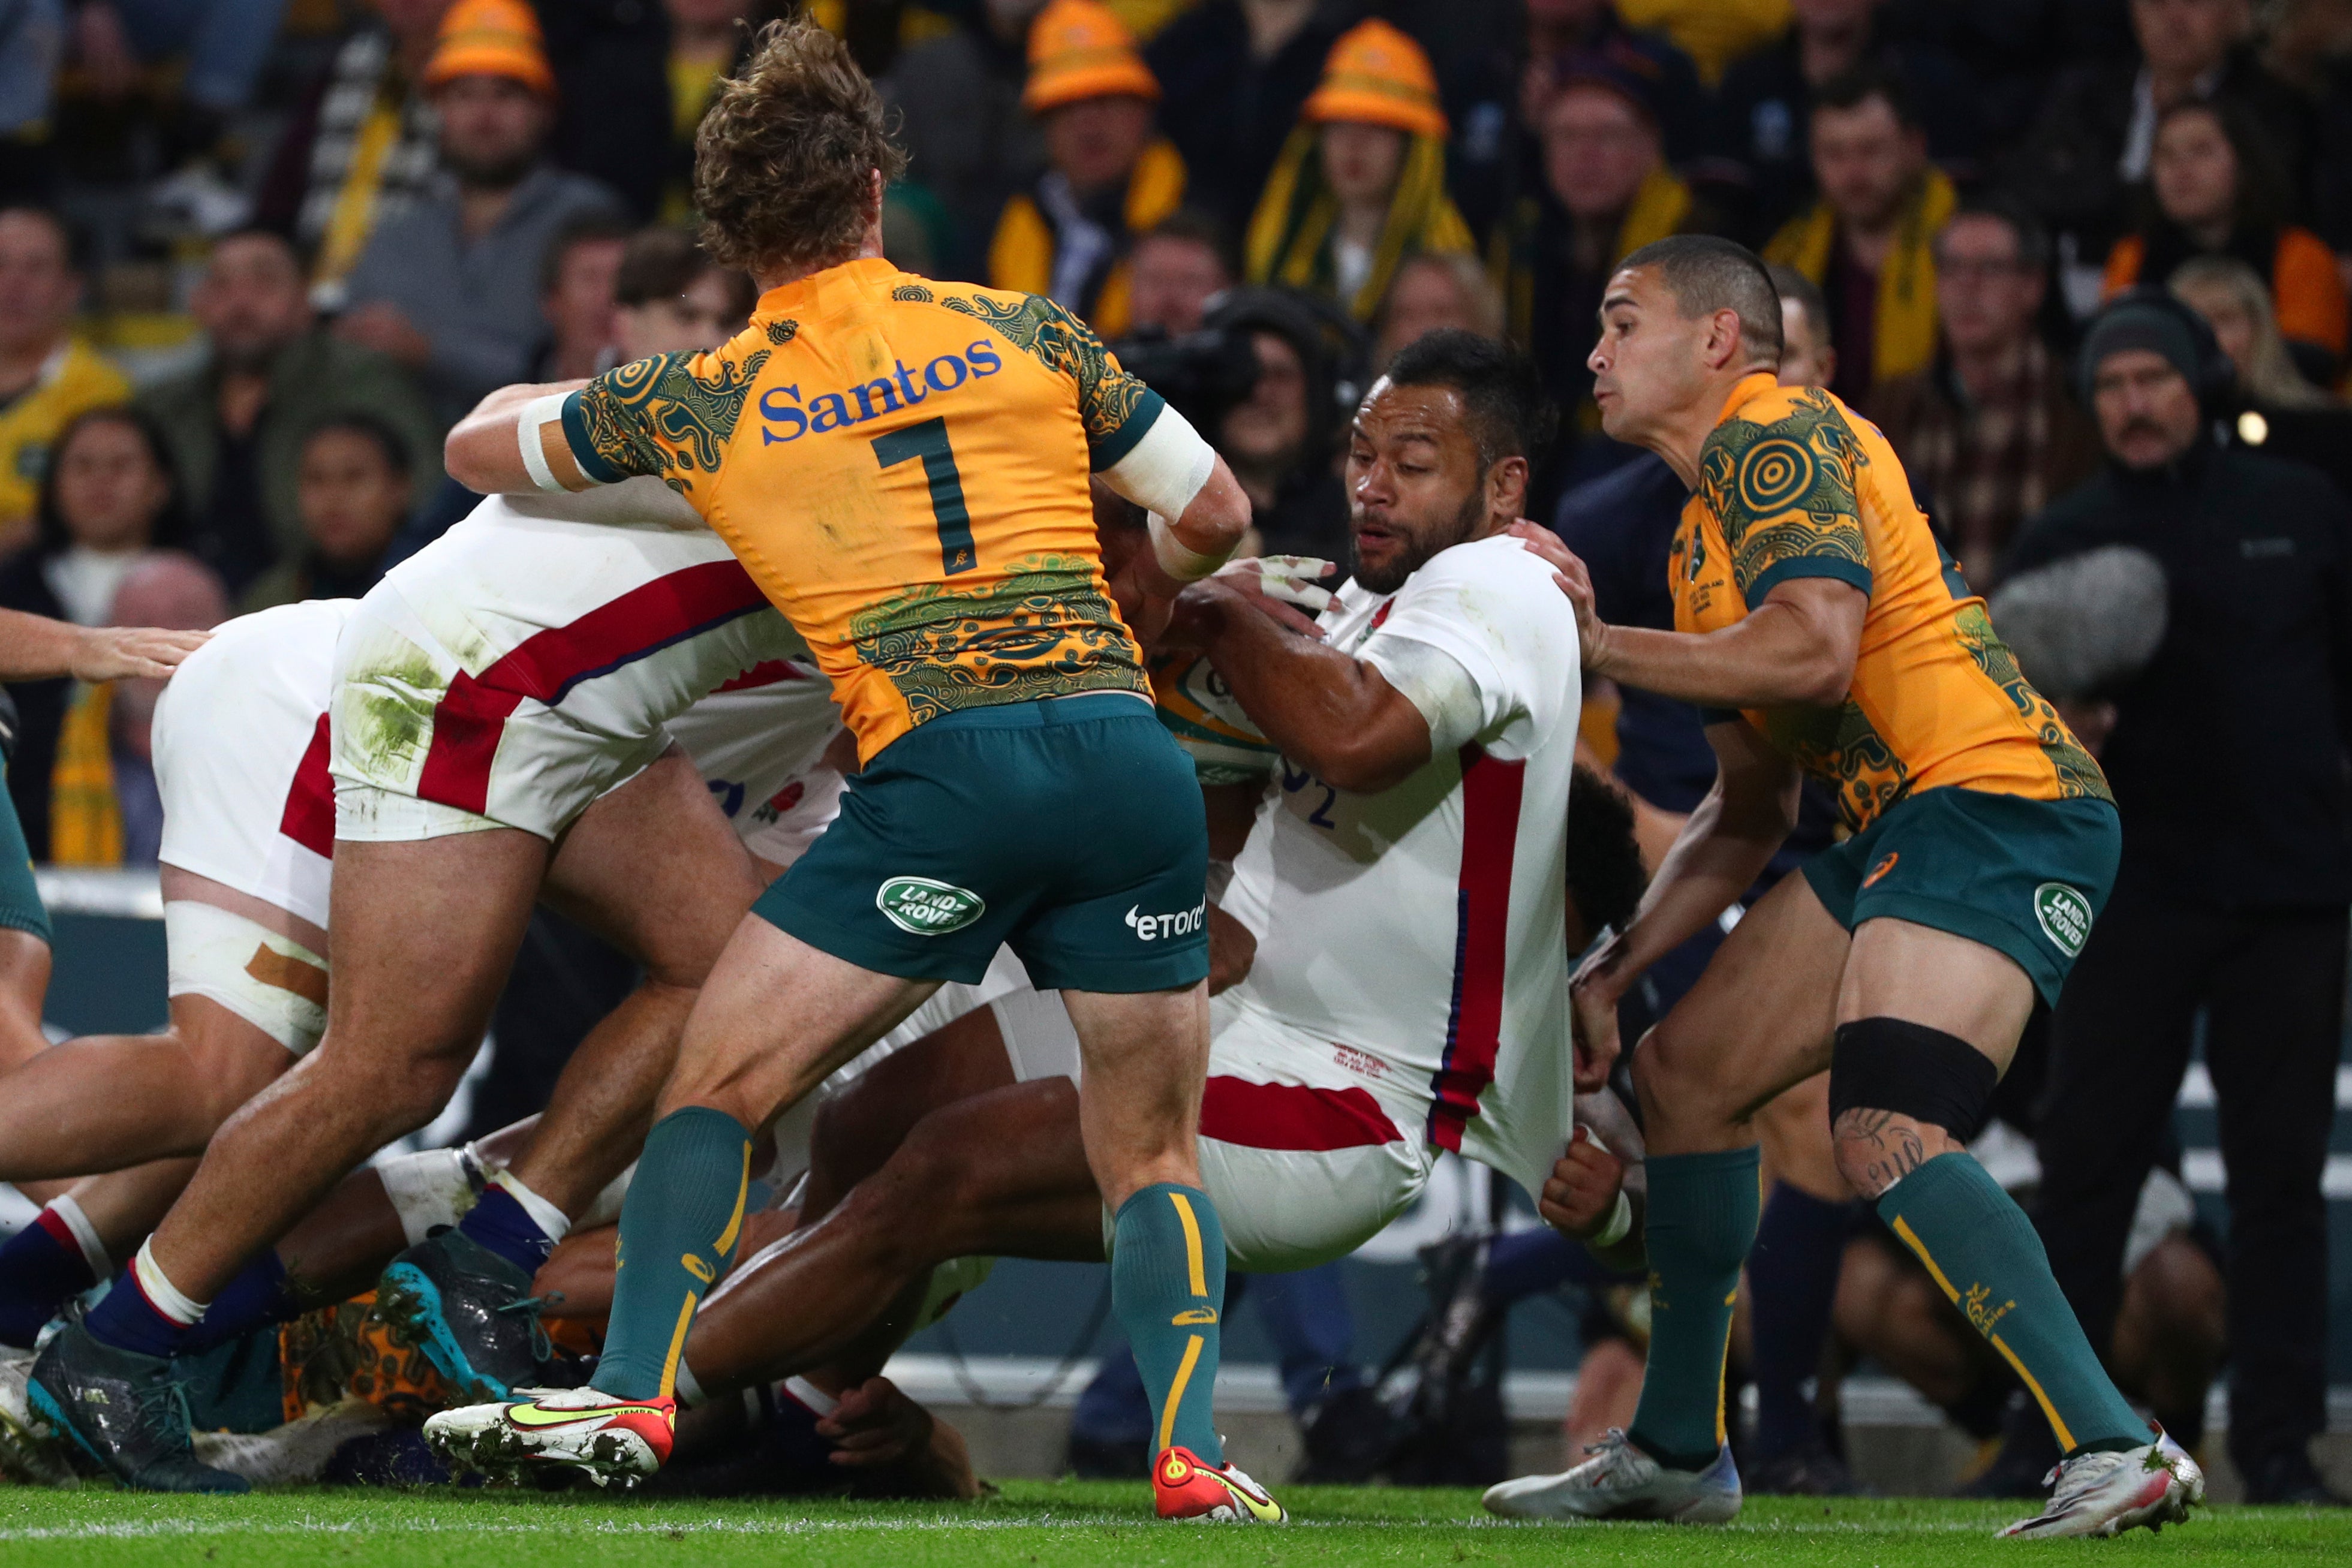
[{"x": 929, "y": 440}]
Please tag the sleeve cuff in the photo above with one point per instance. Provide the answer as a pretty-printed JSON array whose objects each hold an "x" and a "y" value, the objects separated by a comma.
[
  {"x": 1797, "y": 565},
  {"x": 583, "y": 451},
  {"x": 1122, "y": 441}
]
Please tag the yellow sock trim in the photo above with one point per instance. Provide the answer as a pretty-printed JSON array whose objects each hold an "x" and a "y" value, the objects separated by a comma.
[
  {"x": 677, "y": 1346},
  {"x": 725, "y": 1242},
  {"x": 1192, "y": 1259},
  {"x": 1176, "y": 1389},
  {"x": 2049, "y": 1411}
]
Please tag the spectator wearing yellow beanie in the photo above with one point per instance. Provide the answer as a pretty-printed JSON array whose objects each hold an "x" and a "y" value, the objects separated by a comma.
[
  {"x": 1360, "y": 183},
  {"x": 1109, "y": 177}
]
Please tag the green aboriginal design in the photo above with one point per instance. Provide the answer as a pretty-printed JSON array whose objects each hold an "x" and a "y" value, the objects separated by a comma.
[
  {"x": 2079, "y": 777},
  {"x": 1107, "y": 398},
  {"x": 1045, "y": 630},
  {"x": 656, "y": 416},
  {"x": 1843, "y": 750},
  {"x": 1785, "y": 489}
]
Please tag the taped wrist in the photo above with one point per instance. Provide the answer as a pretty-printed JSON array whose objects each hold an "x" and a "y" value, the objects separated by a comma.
[
  {"x": 1893, "y": 1064},
  {"x": 1621, "y": 1220},
  {"x": 1179, "y": 559},
  {"x": 537, "y": 413}
]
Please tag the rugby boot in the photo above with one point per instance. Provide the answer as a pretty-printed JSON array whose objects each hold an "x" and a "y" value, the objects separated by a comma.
[
  {"x": 470, "y": 1311},
  {"x": 29, "y": 1445},
  {"x": 1621, "y": 1482},
  {"x": 122, "y": 1412},
  {"x": 2107, "y": 1493},
  {"x": 582, "y": 1430},
  {"x": 1184, "y": 1488}
]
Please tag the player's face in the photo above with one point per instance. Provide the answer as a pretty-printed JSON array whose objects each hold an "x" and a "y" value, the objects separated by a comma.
[
  {"x": 1650, "y": 361},
  {"x": 1415, "y": 486}
]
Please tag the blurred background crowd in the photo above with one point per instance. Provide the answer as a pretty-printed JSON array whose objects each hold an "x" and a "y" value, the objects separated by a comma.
[{"x": 256, "y": 256}]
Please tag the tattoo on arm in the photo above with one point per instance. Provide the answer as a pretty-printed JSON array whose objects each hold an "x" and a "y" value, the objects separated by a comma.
[{"x": 1875, "y": 1149}]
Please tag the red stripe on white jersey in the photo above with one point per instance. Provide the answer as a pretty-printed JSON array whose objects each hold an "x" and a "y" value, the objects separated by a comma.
[
  {"x": 1491, "y": 791},
  {"x": 1292, "y": 1116},
  {"x": 767, "y": 673},
  {"x": 310, "y": 815},
  {"x": 472, "y": 715}
]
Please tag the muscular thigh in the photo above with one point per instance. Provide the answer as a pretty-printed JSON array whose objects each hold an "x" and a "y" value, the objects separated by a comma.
[
  {"x": 1901, "y": 969},
  {"x": 654, "y": 868},
  {"x": 1759, "y": 1021}
]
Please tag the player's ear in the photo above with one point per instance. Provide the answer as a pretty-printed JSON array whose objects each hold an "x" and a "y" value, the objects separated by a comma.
[{"x": 1507, "y": 488}]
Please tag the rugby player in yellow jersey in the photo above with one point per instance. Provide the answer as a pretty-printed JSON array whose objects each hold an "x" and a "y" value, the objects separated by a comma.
[
  {"x": 903, "y": 468},
  {"x": 1826, "y": 633}
]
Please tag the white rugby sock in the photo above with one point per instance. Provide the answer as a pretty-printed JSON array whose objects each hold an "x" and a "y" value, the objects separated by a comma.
[
  {"x": 161, "y": 1294},
  {"x": 817, "y": 1400},
  {"x": 689, "y": 1393},
  {"x": 84, "y": 1235}
]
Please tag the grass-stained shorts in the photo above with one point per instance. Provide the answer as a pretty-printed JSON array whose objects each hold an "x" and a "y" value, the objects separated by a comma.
[
  {"x": 1070, "y": 830},
  {"x": 2023, "y": 877}
]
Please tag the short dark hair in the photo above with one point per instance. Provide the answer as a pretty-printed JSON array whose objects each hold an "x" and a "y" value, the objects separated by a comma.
[
  {"x": 1194, "y": 226},
  {"x": 1605, "y": 879},
  {"x": 2032, "y": 239},
  {"x": 784, "y": 162},
  {"x": 1502, "y": 392},
  {"x": 663, "y": 263},
  {"x": 1857, "y": 85},
  {"x": 593, "y": 229},
  {"x": 1705, "y": 274},
  {"x": 359, "y": 422},
  {"x": 1790, "y": 284},
  {"x": 171, "y": 519}
]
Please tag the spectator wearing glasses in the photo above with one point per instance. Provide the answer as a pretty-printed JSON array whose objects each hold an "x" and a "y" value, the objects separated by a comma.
[{"x": 1990, "y": 432}]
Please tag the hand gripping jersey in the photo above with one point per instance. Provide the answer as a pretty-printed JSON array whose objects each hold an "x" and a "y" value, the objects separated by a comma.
[
  {"x": 527, "y": 661},
  {"x": 1412, "y": 943},
  {"x": 902, "y": 466},
  {"x": 1794, "y": 484}
]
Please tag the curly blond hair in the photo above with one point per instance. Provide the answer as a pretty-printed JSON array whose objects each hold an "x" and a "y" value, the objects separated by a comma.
[{"x": 784, "y": 162}]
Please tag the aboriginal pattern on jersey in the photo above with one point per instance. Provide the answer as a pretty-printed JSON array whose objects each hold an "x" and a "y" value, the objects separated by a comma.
[
  {"x": 1785, "y": 490},
  {"x": 1045, "y": 630},
  {"x": 1107, "y": 396},
  {"x": 2079, "y": 777},
  {"x": 1843, "y": 750},
  {"x": 662, "y": 416}
]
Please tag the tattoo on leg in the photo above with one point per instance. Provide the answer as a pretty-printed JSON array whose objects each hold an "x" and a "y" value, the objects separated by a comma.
[{"x": 1877, "y": 1148}]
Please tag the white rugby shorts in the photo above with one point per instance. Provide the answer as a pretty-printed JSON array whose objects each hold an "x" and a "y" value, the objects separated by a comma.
[
  {"x": 241, "y": 757},
  {"x": 400, "y": 761}
]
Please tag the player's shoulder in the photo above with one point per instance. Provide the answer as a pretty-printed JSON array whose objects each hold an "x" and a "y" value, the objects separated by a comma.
[
  {"x": 1780, "y": 449},
  {"x": 1494, "y": 577},
  {"x": 1046, "y": 332}
]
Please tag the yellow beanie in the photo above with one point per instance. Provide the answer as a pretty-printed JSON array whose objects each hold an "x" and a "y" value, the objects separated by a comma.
[
  {"x": 490, "y": 38},
  {"x": 1079, "y": 49},
  {"x": 1378, "y": 75}
]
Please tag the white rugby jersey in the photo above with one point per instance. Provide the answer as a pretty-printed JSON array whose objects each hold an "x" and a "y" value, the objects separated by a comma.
[
  {"x": 1421, "y": 932},
  {"x": 618, "y": 626}
]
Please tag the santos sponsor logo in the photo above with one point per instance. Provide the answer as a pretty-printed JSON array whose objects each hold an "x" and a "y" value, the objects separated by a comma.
[
  {"x": 784, "y": 417},
  {"x": 1156, "y": 927}
]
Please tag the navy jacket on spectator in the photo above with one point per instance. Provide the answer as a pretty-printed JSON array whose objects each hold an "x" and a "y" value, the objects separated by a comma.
[{"x": 2226, "y": 757}]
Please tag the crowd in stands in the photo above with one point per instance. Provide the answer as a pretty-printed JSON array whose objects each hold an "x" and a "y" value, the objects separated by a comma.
[{"x": 256, "y": 256}]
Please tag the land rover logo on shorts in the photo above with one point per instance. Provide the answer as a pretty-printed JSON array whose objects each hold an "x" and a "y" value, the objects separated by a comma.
[
  {"x": 2065, "y": 916},
  {"x": 928, "y": 908}
]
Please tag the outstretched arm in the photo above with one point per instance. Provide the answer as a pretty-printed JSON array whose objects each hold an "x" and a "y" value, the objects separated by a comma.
[
  {"x": 1723, "y": 848},
  {"x": 484, "y": 451},
  {"x": 35, "y": 648}
]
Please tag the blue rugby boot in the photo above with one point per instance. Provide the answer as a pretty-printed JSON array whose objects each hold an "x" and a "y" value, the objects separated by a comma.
[
  {"x": 122, "y": 1412},
  {"x": 470, "y": 1311}
]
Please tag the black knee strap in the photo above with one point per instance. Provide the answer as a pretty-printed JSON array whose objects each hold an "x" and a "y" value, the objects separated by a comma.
[{"x": 1892, "y": 1064}]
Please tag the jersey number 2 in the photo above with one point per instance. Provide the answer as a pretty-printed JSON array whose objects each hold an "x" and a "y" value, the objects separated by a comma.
[{"x": 929, "y": 440}]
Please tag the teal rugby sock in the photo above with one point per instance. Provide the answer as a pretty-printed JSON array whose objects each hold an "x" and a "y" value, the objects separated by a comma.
[
  {"x": 1988, "y": 1258},
  {"x": 1700, "y": 1222},
  {"x": 678, "y": 1228},
  {"x": 1167, "y": 1286}
]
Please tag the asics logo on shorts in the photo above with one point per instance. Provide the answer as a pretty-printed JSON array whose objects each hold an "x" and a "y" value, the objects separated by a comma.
[{"x": 1156, "y": 927}]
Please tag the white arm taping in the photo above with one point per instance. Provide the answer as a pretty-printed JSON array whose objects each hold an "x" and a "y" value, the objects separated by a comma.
[
  {"x": 1621, "y": 1220},
  {"x": 1163, "y": 472},
  {"x": 1434, "y": 682},
  {"x": 1177, "y": 559},
  {"x": 537, "y": 414}
]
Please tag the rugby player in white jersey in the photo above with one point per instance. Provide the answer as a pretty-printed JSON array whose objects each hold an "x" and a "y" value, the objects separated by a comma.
[
  {"x": 1407, "y": 887},
  {"x": 240, "y": 746},
  {"x": 488, "y": 694}
]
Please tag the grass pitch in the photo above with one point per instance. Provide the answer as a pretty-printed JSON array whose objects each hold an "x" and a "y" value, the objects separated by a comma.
[{"x": 1052, "y": 1523}]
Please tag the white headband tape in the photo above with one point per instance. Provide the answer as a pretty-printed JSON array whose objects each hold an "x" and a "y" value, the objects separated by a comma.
[{"x": 536, "y": 414}]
